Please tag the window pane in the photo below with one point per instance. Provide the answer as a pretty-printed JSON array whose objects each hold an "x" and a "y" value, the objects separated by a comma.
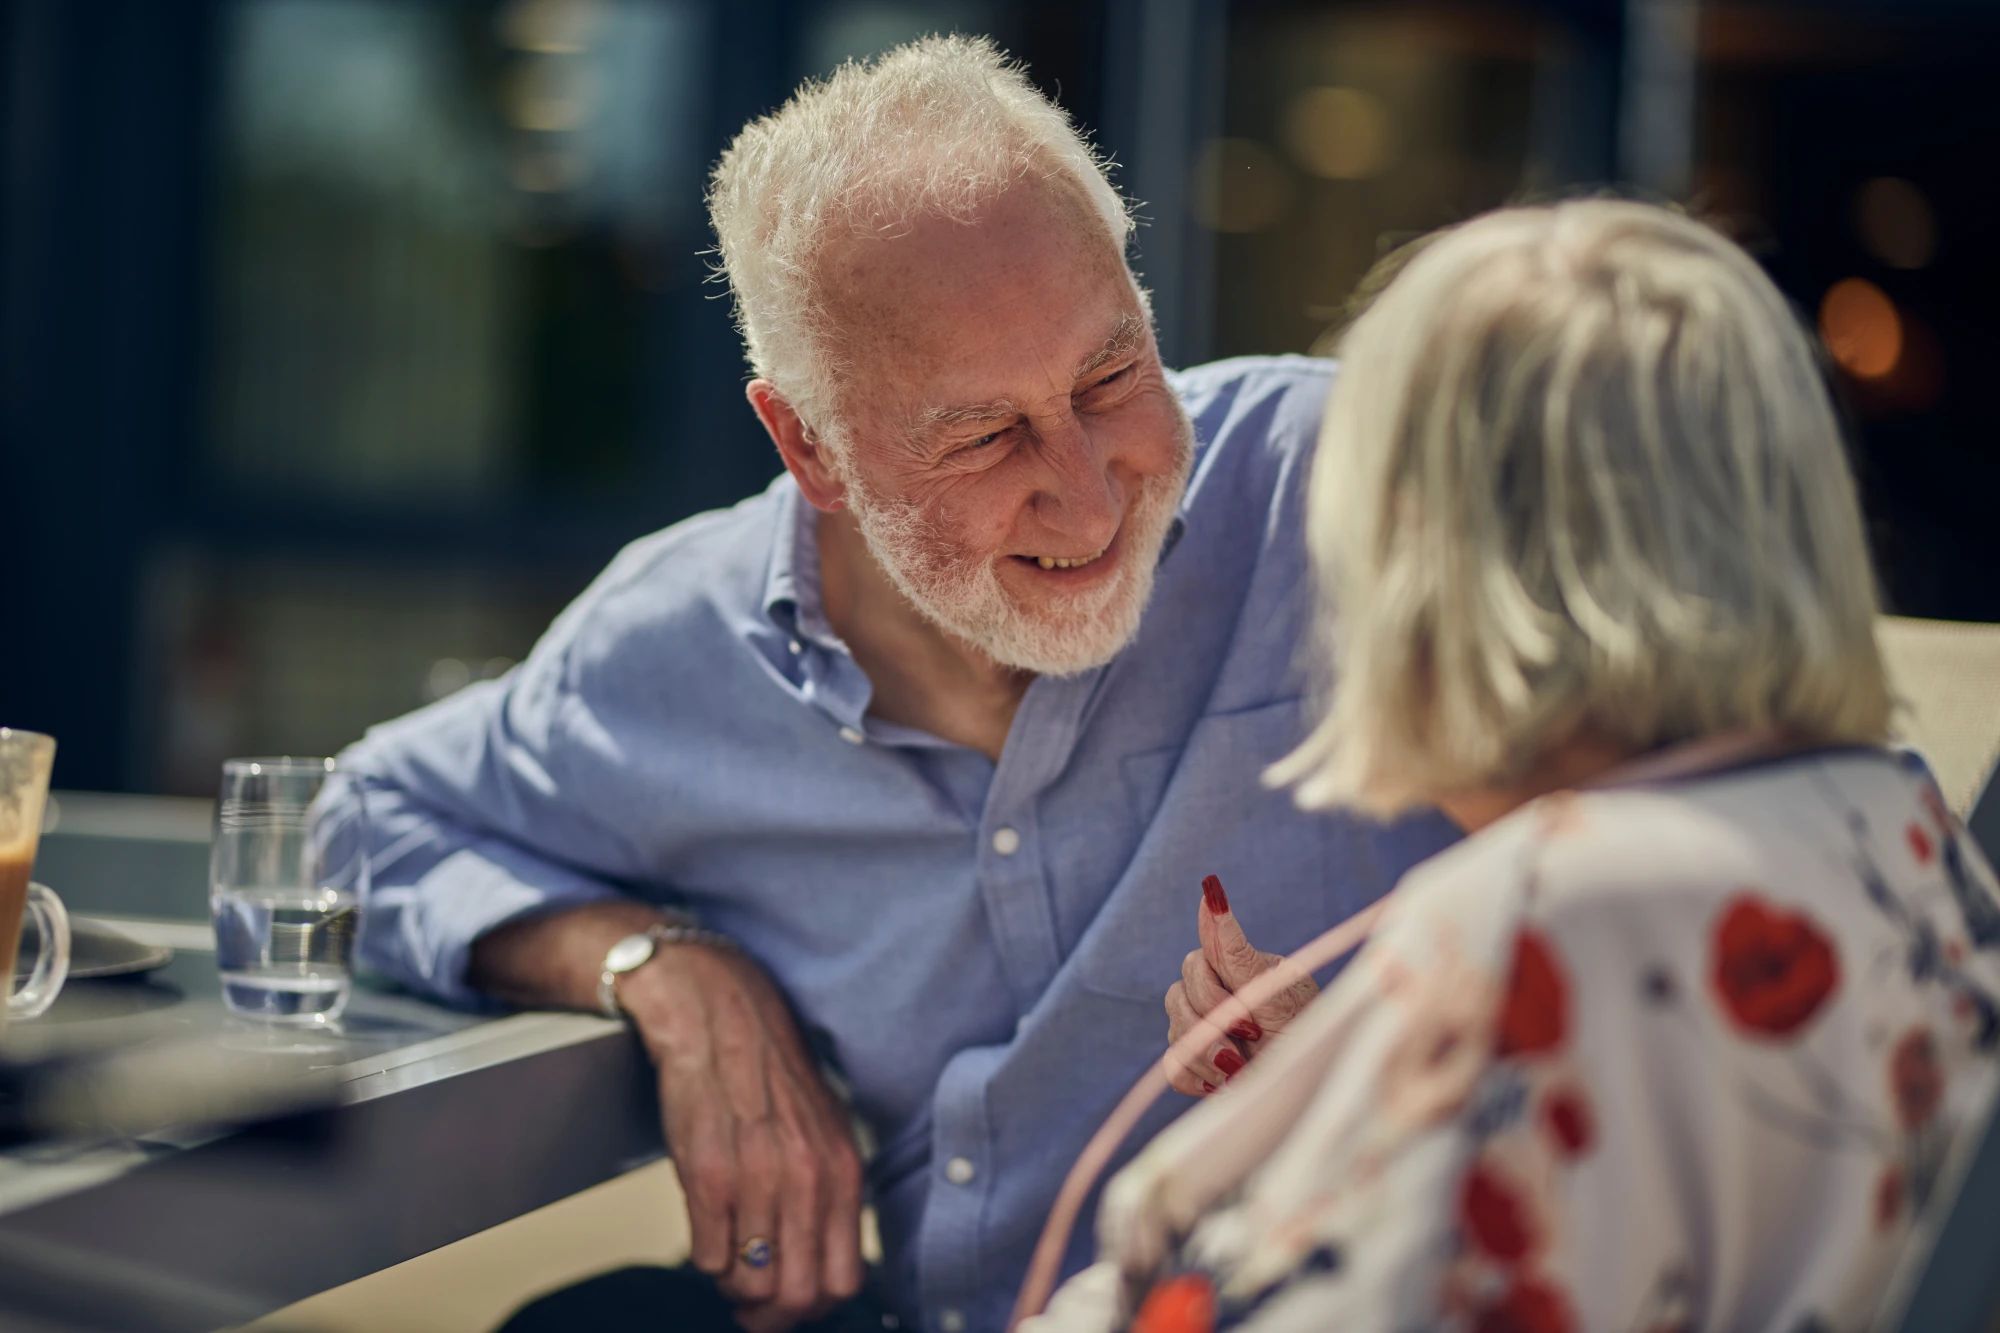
[{"x": 441, "y": 234}]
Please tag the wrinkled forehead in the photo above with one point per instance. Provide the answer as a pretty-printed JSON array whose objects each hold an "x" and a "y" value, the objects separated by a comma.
[{"x": 943, "y": 307}]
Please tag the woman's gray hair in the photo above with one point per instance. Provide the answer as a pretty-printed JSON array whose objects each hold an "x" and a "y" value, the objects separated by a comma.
[
  {"x": 1579, "y": 471},
  {"x": 934, "y": 128}
]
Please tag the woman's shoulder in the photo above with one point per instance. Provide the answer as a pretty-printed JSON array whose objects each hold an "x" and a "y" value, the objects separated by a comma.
[
  {"x": 1798, "y": 819},
  {"x": 1834, "y": 829}
]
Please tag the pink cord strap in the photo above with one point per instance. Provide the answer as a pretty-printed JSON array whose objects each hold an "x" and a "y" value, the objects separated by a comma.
[
  {"x": 1706, "y": 754},
  {"x": 1040, "y": 1282}
]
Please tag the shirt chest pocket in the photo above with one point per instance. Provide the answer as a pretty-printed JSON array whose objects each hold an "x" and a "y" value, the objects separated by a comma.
[{"x": 1205, "y": 810}]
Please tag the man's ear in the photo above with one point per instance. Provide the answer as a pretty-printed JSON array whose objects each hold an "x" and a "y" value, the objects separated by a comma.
[{"x": 805, "y": 454}]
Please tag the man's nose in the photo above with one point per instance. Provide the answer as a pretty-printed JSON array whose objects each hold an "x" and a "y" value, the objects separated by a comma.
[{"x": 1081, "y": 492}]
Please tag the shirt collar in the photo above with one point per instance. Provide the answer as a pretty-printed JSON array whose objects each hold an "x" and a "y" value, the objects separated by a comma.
[
  {"x": 792, "y": 595},
  {"x": 1182, "y": 512}
]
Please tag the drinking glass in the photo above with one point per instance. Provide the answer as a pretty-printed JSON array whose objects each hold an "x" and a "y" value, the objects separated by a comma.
[
  {"x": 26, "y": 757},
  {"x": 286, "y": 877}
]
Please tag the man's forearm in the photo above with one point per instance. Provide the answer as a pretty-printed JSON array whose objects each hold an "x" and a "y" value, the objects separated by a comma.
[{"x": 554, "y": 961}]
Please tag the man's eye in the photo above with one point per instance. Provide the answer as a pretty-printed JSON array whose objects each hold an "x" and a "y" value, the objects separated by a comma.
[
  {"x": 984, "y": 440},
  {"x": 1113, "y": 377}
]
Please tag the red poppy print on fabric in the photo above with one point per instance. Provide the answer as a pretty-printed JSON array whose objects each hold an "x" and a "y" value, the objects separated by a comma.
[
  {"x": 1934, "y": 804},
  {"x": 1916, "y": 1080},
  {"x": 1530, "y": 1305},
  {"x": 1888, "y": 1197},
  {"x": 1495, "y": 1215},
  {"x": 1184, "y": 1304},
  {"x": 1535, "y": 1017},
  {"x": 1920, "y": 843},
  {"x": 1772, "y": 968},
  {"x": 1567, "y": 1117}
]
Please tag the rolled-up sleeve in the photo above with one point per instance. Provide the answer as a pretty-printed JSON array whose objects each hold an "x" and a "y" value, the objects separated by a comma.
[
  {"x": 437, "y": 888},
  {"x": 476, "y": 817}
]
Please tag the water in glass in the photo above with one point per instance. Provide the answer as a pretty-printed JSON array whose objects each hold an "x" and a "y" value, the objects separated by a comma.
[
  {"x": 287, "y": 875},
  {"x": 284, "y": 953}
]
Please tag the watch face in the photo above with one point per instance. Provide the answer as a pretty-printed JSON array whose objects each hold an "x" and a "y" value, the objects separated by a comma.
[{"x": 628, "y": 953}]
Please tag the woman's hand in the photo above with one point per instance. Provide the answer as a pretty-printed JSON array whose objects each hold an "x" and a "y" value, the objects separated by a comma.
[{"x": 1225, "y": 963}]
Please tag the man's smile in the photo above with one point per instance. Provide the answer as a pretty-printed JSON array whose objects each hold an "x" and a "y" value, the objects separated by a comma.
[
  {"x": 1065, "y": 562},
  {"x": 1071, "y": 569}
]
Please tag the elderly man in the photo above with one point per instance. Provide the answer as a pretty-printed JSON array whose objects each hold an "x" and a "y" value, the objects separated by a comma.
[{"x": 936, "y": 737}]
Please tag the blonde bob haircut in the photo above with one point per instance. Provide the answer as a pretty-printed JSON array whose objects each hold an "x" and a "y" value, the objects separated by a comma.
[{"x": 1579, "y": 473}]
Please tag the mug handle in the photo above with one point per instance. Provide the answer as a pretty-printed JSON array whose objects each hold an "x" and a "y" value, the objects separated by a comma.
[{"x": 51, "y": 969}]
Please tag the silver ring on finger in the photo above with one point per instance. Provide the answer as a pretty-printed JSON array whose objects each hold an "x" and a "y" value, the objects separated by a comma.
[{"x": 757, "y": 1252}]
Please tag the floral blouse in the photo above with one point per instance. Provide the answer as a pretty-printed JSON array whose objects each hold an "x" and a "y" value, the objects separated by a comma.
[{"x": 1688, "y": 1055}]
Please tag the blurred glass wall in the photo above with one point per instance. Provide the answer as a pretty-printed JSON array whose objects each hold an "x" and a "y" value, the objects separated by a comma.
[
  {"x": 343, "y": 341},
  {"x": 1846, "y": 144},
  {"x": 437, "y": 243},
  {"x": 350, "y": 338},
  {"x": 1347, "y": 131}
]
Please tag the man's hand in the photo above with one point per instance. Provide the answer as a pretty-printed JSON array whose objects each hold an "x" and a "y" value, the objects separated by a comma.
[
  {"x": 1224, "y": 964},
  {"x": 761, "y": 1144}
]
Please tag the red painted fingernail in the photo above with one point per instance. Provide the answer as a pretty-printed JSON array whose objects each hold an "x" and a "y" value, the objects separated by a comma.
[
  {"x": 1229, "y": 1062},
  {"x": 1212, "y": 894},
  {"x": 1247, "y": 1030},
  {"x": 1206, "y": 1086}
]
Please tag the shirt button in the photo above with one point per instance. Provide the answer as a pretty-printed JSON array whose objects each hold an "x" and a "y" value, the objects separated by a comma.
[
  {"x": 1006, "y": 841},
  {"x": 851, "y": 736},
  {"x": 960, "y": 1171},
  {"x": 797, "y": 647},
  {"x": 951, "y": 1321}
]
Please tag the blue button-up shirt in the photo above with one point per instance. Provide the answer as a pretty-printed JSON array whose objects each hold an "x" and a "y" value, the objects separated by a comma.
[{"x": 980, "y": 948}]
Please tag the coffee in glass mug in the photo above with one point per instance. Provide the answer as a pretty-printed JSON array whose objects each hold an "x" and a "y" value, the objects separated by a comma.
[{"x": 26, "y": 758}]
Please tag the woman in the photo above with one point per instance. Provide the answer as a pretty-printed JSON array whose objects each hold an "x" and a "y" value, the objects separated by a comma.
[{"x": 1682, "y": 1035}]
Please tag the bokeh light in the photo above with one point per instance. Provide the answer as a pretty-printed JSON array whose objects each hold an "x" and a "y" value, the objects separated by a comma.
[
  {"x": 1339, "y": 133},
  {"x": 1895, "y": 221},
  {"x": 1863, "y": 332},
  {"x": 551, "y": 27},
  {"x": 549, "y": 94}
]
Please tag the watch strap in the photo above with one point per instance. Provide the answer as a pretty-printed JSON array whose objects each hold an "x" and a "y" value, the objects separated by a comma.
[{"x": 678, "y": 929}]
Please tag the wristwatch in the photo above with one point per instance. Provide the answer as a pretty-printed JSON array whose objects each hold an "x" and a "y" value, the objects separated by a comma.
[{"x": 635, "y": 951}]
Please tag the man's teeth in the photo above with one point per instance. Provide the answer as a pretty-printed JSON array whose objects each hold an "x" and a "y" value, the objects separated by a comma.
[{"x": 1057, "y": 562}]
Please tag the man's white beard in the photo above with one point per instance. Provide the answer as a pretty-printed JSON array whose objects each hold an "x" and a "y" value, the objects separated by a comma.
[{"x": 1067, "y": 633}]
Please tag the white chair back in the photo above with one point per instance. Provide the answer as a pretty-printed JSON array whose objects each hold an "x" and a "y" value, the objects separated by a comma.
[{"x": 1946, "y": 677}]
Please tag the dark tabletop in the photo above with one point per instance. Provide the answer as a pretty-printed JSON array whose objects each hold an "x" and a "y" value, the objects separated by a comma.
[{"x": 405, "y": 1127}]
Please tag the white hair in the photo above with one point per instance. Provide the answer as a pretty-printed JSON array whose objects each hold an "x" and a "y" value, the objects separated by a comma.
[
  {"x": 1579, "y": 470},
  {"x": 934, "y": 128}
]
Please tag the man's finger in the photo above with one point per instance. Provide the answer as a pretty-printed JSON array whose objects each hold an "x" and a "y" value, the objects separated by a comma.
[
  {"x": 800, "y": 1203},
  {"x": 754, "y": 1217},
  {"x": 841, "y": 1230},
  {"x": 705, "y": 1157},
  {"x": 763, "y": 1317},
  {"x": 1235, "y": 960}
]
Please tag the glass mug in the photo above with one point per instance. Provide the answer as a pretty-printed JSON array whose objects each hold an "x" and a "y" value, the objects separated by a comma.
[
  {"x": 26, "y": 758},
  {"x": 287, "y": 873}
]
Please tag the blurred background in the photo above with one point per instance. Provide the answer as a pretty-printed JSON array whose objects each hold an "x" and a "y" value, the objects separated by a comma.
[{"x": 343, "y": 341}]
